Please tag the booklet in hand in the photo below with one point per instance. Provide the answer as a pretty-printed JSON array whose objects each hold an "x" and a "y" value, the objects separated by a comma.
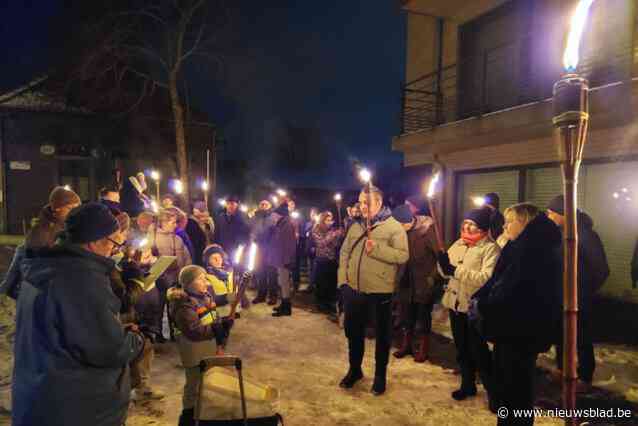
[{"x": 158, "y": 268}]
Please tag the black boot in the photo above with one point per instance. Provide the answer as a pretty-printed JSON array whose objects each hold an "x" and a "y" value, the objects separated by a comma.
[
  {"x": 461, "y": 394},
  {"x": 353, "y": 376},
  {"x": 285, "y": 309},
  {"x": 378, "y": 387},
  {"x": 186, "y": 418}
]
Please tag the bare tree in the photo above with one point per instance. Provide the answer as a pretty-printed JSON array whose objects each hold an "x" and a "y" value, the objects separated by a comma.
[{"x": 131, "y": 51}]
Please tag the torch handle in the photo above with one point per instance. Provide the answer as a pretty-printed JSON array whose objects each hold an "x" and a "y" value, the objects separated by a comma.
[
  {"x": 437, "y": 227},
  {"x": 243, "y": 284},
  {"x": 369, "y": 201}
]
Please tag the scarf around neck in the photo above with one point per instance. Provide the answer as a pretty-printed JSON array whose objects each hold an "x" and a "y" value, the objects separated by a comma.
[{"x": 473, "y": 239}]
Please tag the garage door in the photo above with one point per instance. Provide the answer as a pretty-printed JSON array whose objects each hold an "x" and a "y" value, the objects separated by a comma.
[
  {"x": 505, "y": 184},
  {"x": 543, "y": 184},
  {"x": 615, "y": 218}
]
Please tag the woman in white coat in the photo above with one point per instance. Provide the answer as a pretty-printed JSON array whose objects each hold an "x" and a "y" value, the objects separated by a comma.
[{"x": 468, "y": 264}]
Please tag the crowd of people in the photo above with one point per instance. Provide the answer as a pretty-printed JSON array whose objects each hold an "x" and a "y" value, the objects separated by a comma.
[{"x": 91, "y": 303}]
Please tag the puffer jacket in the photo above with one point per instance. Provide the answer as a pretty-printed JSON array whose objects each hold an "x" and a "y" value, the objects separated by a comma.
[
  {"x": 223, "y": 292},
  {"x": 282, "y": 245},
  {"x": 326, "y": 242},
  {"x": 474, "y": 266},
  {"x": 419, "y": 276},
  {"x": 376, "y": 272},
  {"x": 71, "y": 352},
  {"x": 520, "y": 303},
  {"x": 170, "y": 244},
  {"x": 198, "y": 328}
]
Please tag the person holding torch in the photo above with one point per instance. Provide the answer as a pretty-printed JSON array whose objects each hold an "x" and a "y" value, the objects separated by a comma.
[{"x": 368, "y": 264}]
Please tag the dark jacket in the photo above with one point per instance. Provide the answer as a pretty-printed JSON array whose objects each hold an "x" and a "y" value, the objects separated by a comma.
[
  {"x": 130, "y": 200},
  {"x": 419, "y": 275},
  {"x": 71, "y": 352},
  {"x": 497, "y": 221},
  {"x": 520, "y": 304},
  {"x": 43, "y": 233},
  {"x": 326, "y": 242},
  {"x": 231, "y": 231},
  {"x": 593, "y": 268},
  {"x": 198, "y": 240},
  {"x": 282, "y": 244},
  {"x": 112, "y": 205}
]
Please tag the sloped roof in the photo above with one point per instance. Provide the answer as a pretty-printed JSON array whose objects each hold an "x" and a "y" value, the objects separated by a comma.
[{"x": 30, "y": 98}]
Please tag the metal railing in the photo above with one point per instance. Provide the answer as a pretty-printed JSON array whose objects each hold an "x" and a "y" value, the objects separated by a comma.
[{"x": 505, "y": 79}]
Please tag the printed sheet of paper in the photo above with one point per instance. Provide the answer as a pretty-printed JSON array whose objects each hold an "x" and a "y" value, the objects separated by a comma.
[{"x": 158, "y": 268}]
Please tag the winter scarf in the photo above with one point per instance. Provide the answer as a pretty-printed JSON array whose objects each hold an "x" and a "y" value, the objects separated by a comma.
[
  {"x": 472, "y": 239},
  {"x": 219, "y": 273}
]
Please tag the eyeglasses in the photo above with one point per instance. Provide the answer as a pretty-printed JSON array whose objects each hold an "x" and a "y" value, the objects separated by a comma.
[{"x": 118, "y": 245}]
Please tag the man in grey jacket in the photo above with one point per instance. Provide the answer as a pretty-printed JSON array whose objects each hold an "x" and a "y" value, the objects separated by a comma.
[
  {"x": 368, "y": 267},
  {"x": 71, "y": 351}
]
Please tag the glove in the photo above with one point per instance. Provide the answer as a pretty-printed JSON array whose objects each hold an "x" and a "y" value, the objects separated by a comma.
[{"x": 444, "y": 263}]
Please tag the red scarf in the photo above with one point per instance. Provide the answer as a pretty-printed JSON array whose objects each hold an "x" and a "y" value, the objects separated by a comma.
[{"x": 473, "y": 239}]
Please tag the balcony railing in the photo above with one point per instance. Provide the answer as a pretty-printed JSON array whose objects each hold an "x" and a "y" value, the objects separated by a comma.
[{"x": 458, "y": 91}]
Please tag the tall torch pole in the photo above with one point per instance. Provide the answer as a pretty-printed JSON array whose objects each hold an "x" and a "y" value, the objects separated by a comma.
[
  {"x": 366, "y": 178},
  {"x": 435, "y": 219},
  {"x": 571, "y": 119},
  {"x": 338, "y": 202}
]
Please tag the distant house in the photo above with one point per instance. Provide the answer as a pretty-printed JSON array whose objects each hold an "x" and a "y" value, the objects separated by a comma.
[
  {"x": 45, "y": 141},
  {"x": 477, "y": 100}
]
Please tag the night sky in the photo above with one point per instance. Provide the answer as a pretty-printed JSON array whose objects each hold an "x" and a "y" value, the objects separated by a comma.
[{"x": 335, "y": 66}]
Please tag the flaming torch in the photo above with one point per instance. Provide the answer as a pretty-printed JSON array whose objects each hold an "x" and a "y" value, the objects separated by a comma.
[
  {"x": 435, "y": 218},
  {"x": 338, "y": 202},
  {"x": 571, "y": 117},
  {"x": 155, "y": 175},
  {"x": 366, "y": 177}
]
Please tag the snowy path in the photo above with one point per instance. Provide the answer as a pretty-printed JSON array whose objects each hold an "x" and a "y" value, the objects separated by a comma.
[{"x": 305, "y": 355}]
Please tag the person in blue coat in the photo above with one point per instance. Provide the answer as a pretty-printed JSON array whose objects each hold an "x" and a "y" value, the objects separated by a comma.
[{"x": 71, "y": 351}]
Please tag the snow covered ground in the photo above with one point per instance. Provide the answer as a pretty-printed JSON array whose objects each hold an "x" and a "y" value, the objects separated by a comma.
[{"x": 305, "y": 356}]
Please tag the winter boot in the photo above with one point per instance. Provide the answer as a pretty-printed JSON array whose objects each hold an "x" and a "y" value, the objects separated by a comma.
[
  {"x": 424, "y": 348},
  {"x": 461, "y": 394},
  {"x": 186, "y": 418},
  {"x": 405, "y": 347},
  {"x": 353, "y": 376},
  {"x": 285, "y": 309},
  {"x": 261, "y": 298},
  {"x": 378, "y": 386},
  {"x": 272, "y": 300}
]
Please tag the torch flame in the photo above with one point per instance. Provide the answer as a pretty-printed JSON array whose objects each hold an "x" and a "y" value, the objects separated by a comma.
[
  {"x": 142, "y": 242},
  {"x": 576, "y": 27},
  {"x": 365, "y": 175},
  {"x": 337, "y": 197},
  {"x": 238, "y": 253},
  {"x": 178, "y": 186},
  {"x": 155, "y": 175},
  {"x": 251, "y": 257},
  {"x": 432, "y": 187},
  {"x": 205, "y": 185}
]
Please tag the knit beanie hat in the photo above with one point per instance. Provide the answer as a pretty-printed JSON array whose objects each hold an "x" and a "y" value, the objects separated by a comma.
[
  {"x": 90, "y": 222},
  {"x": 479, "y": 216},
  {"x": 493, "y": 200},
  {"x": 282, "y": 210},
  {"x": 211, "y": 250},
  {"x": 402, "y": 214},
  {"x": 61, "y": 197},
  {"x": 233, "y": 198},
  {"x": 557, "y": 205},
  {"x": 419, "y": 203},
  {"x": 190, "y": 273},
  {"x": 200, "y": 205}
]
